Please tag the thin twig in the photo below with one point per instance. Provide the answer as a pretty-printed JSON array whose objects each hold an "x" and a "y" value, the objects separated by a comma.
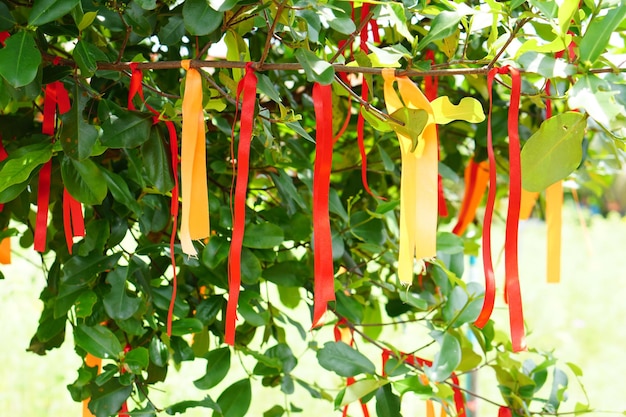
[
  {"x": 352, "y": 37},
  {"x": 518, "y": 25},
  {"x": 270, "y": 34},
  {"x": 129, "y": 30}
]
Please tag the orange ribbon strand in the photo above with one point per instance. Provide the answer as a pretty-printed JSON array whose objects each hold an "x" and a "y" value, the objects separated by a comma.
[
  {"x": 324, "y": 280},
  {"x": 195, "y": 196},
  {"x": 476, "y": 179},
  {"x": 512, "y": 289},
  {"x": 247, "y": 86},
  {"x": 91, "y": 361}
]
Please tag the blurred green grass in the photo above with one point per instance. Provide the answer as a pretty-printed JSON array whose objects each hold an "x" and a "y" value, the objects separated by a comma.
[{"x": 581, "y": 320}]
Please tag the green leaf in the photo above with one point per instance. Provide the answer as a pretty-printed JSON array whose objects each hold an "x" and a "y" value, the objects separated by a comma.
[
  {"x": 87, "y": 56},
  {"x": 84, "y": 180},
  {"x": 97, "y": 340},
  {"x": 554, "y": 151},
  {"x": 598, "y": 34},
  {"x": 87, "y": 20},
  {"x": 375, "y": 122},
  {"x": 366, "y": 228},
  {"x": 446, "y": 360},
  {"x": 45, "y": 11},
  {"x": 120, "y": 191},
  {"x": 413, "y": 384},
  {"x": 449, "y": 243},
  {"x": 200, "y": 18},
  {"x": 414, "y": 121},
  {"x": 173, "y": 31},
  {"x": 158, "y": 352},
  {"x": 6, "y": 18},
  {"x": 186, "y": 326},
  {"x": 218, "y": 364},
  {"x": 183, "y": 406},
  {"x": 137, "y": 359},
  {"x": 387, "y": 403},
  {"x": 545, "y": 65},
  {"x": 442, "y": 26},
  {"x": 566, "y": 12},
  {"x": 316, "y": 70},
  {"x": 108, "y": 399},
  {"x": 18, "y": 166},
  {"x": 413, "y": 299},
  {"x": 123, "y": 128},
  {"x": 235, "y": 400},
  {"x": 343, "y": 25},
  {"x": 20, "y": 59},
  {"x": 598, "y": 98},
  {"x": 263, "y": 236},
  {"x": 84, "y": 304},
  {"x": 117, "y": 303},
  {"x": 343, "y": 360},
  {"x": 359, "y": 389},
  {"x": 77, "y": 137}
]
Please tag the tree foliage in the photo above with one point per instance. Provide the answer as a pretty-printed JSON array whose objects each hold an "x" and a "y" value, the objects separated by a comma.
[{"x": 113, "y": 287}]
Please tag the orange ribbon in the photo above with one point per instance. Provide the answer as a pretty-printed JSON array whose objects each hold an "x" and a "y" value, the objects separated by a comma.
[
  {"x": 91, "y": 361},
  {"x": 418, "y": 181},
  {"x": 195, "y": 196},
  {"x": 324, "y": 280},
  {"x": 512, "y": 290},
  {"x": 247, "y": 86},
  {"x": 476, "y": 178}
]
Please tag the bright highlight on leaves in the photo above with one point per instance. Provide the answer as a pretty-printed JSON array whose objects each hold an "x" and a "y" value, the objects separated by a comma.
[
  {"x": 468, "y": 109},
  {"x": 554, "y": 151}
]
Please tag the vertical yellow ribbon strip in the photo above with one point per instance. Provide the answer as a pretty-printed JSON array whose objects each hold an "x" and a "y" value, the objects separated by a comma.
[
  {"x": 194, "y": 223},
  {"x": 528, "y": 201},
  {"x": 418, "y": 181},
  {"x": 554, "y": 209}
]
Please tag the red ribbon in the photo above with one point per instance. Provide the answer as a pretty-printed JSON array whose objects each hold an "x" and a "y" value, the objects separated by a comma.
[
  {"x": 247, "y": 87},
  {"x": 3, "y": 37},
  {"x": 476, "y": 176},
  {"x": 323, "y": 248},
  {"x": 459, "y": 399},
  {"x": 136, "y": 88},
  {"x": 504, "y": 412},
  {"x": 55, "y": 95},
  {"x": 512, "y": 288},
  {"x": 431, "y": 85},
  {"x": 347, "y": 338},
  {"x": 73, "y": 221}
]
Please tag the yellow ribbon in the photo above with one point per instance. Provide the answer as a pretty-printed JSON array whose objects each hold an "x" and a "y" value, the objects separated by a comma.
[
  {"x": 529, "y": 199},
  {"x": 194, "y": 223},
  {"x": 554, "y": 208},
  {"x": 418, "y": 181}
]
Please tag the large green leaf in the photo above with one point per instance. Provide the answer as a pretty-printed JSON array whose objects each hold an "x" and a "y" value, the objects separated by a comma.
[
  {"x": 156, "y": 162},
  {"x": 87, "y": 56},
  {"x": 137, "y": 359},
  {"x": 598, "y": 34},
  {"x": 173, "y": 31},
  {"x": 45, "y": 11},
  {"x": 97, "y": 340},
  {"x": 84, "y": 180},
  {"x": 218, "y": 364},
  {"x": 344, "y": 360},
  {"x": 117, "y": 303},
  {"x": 359, "y": 389},
  {"x": 20, "y": 59},
  {"x": 263, "y": 236},
  {"x": 186, "y": 325},
  {"x": 18, "y": 166},
  {"x": 108, "y": 399},
  {"x": 387, "y": 403},
  {"x": 316, "y": 70},
  {"x": 442, "y": 26},
  {"x": 77, "y": 137},
  {"x": 120, "y": 191},
  {"x": 446, "y": 360},
  {"x": 6, "y": 18},
  {"x": 123, "y": 128},
  {"x": 554, "y": 151},
  {"x": 235, "y": 400},
  {"x": 200, "y": 18},
  {"x": 599, "y": 98}
]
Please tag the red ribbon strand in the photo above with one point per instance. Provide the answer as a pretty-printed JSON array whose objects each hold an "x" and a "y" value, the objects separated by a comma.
[
  {"x": 512, "y": 287},
  {"x": 247, "y": 87},
  {"x": 322, "y": 239}
]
